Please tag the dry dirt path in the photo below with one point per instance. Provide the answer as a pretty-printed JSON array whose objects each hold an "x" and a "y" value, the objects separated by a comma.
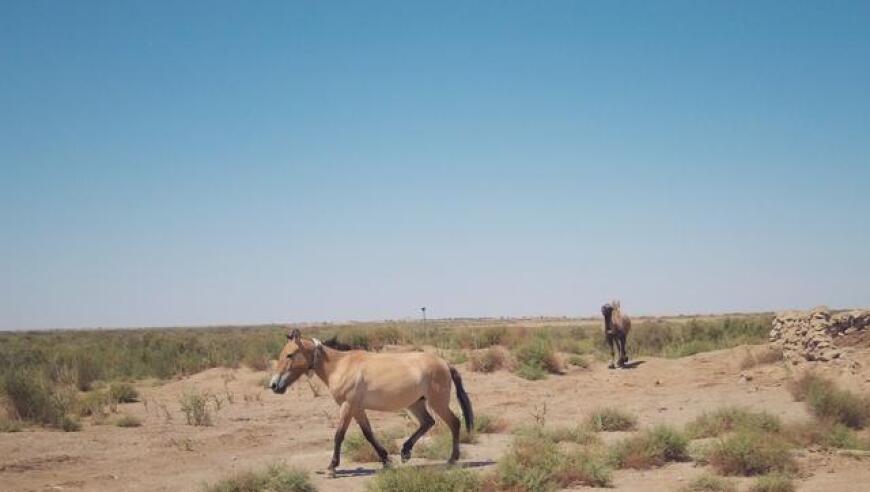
[{"x": 259, "y": 427}]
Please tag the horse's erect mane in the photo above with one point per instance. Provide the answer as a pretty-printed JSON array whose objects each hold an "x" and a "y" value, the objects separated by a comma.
[{"x": 333, "y": 343}]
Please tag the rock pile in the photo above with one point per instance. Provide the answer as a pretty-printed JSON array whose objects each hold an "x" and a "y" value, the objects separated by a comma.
[{"x": 811, "y": 335}]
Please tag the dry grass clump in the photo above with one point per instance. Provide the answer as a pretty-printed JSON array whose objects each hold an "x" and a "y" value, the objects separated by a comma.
[
  {"x": 535, "y": 463},
  {"x": 578, "y": 434},
  {"x": 748, "y": 452},
  {"x": 651, "y": 448},
  {"x": 275, "y": 478},
  {"x": 767, "y": 356},
  {"x": 408, "y": 478},
  {"x": 128, "y": 421},
  {"x": 579, "y": 361},
  {"x": 611, "y": 419},
  {"x": 490, "y": 359},
  {"x": 825, "y": 434},
  {"x": 727, "y": 419},
  {"x": 123, "y": 393},
  {"x": 710, "y": 483},
  {"x": 828, "y": 402},
  {"x": 7, "y": 425},
  {"x": 486, "y": 424},
  {"x": 775, "y": 482},
  {"x": 357, "y": 448}
]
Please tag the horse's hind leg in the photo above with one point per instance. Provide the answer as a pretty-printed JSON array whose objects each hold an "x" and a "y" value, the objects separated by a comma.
[
  {"x": 419, "y": 411},
  {"x": 363, "y": 421},
  {"x": 441, "y": 407}
]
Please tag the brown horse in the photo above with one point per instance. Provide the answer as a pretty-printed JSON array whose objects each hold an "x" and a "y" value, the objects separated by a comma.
[
  {"x": 616, "y": 328},
  {"x": 360, "y": 381}
]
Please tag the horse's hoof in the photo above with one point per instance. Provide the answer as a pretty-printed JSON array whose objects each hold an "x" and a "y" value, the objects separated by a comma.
[
  {"x": 406, "y": 457},
  {"x": 387, "y": 463},
  {"x": 331, "y": 473},
  {"x": 611, "y": 366}
]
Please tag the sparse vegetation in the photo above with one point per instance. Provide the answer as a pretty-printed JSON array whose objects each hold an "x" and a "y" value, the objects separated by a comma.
[
  {"x": 486, "y": 424},
  {"x": 609, "y": 419},
  {"x": 772, "y": 483},
  {"x": 728, "y": 419},
  {"x": 650, "y": 448},
  {"x": 275, "y": 478},
  {"x": 535, "y": 463},
  {"x": 424, "y": 480},
  {"x": 748, "y": 452},
  {"x": 710, "y": 483},
  {"x": 195, "y": 406},
  {"x": 829, "y": 402},
  {"x": 30, "y": 396}
]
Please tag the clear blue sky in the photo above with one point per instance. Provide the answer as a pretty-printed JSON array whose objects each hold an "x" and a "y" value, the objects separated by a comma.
[{"x": 171, "y": 163}]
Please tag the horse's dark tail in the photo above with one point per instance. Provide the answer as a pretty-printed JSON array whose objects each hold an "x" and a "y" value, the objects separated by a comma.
[{"x": 464, "y": 402}]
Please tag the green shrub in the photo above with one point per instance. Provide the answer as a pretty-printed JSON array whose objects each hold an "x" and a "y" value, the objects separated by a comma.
[
  {"x": 123, "y": 393},
  {"x": 828, "y": 402},
  {"x": 128, "y": 421},
  {"x": 96, "y": 404},
  {"x": 772, "y": 483},
  {"x": 611, "y": 419},
  {"x": 30, "y": 396},
  {"x": 538, "y": 357},
  {"x": 7, "y": 425},
  {"x": 532, "y": 373},
  {"x": 275, "y": 478},
  {"x": 650, "y": 448},
  {"x": 195, "y": 405},
  {"x": 751, "y": 453},
  {"x": 421, "y": 479},
  {"x": 727, "y": 419},
  {"x": 710, "y": 483},
  {"x": 535, "y": 463},
  {"x": 577, "y": 434}
]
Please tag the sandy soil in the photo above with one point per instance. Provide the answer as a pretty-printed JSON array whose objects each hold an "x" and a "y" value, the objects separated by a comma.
[{"x": 258, "y": 427}]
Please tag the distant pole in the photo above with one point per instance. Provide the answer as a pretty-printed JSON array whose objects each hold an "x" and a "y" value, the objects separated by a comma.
[{"x": 423, "y": 309}]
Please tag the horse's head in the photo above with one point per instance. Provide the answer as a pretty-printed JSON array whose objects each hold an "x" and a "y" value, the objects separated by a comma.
[
  {"x": 607, "y": 310},
  {"x": 298, "y": 357}
]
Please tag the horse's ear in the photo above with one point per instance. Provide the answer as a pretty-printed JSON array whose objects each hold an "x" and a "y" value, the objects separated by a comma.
[
  {"x": 294, "y": 335},
  {"x": 318, "y": 353}
]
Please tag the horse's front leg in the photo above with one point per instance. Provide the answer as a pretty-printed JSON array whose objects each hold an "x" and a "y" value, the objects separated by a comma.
[
  {"x": 344, "y": 415},
  {"x": 366, "y": 427}
]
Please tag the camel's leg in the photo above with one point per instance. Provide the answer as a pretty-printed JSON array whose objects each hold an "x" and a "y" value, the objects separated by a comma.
[
  {"x": 344, "y": 414},
  {"x": 419, "y": 411},
  {"x": 441, "y": 407},
  {"x": 623, "y": 353},
  {"x": 610, "y": 340},
  {"x": 366, "y": 427}
]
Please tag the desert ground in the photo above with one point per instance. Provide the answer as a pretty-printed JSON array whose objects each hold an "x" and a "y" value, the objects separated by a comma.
[{"x": 255, "y": 427}]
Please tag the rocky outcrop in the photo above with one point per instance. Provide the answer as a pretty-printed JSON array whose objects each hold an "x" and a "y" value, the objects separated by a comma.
[{"x": 811, "y": 335}]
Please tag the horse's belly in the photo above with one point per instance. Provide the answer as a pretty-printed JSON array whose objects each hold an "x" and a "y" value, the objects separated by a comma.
[{"x": 392, "y": 390}]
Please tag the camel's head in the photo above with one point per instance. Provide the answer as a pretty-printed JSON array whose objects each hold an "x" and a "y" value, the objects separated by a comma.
[{"x": 297, "y": 358}]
